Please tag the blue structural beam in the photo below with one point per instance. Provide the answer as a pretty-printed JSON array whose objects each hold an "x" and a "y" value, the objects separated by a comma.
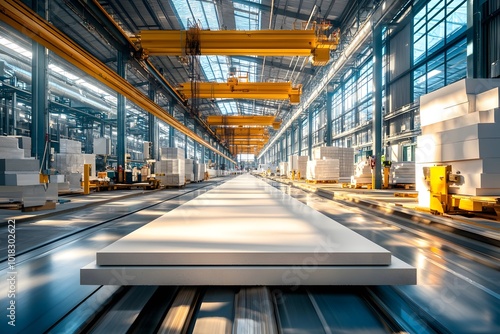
[
  {"x": 377, "y": 105},
  {"x": 310, "y": 136},
  {"x": 171, "y": 130},
  {"x": 153, "y": 127},
  {"x": 39, "y": 104},
  {"x": 328, "y": 127},
  {"x": 121, "y": 112}
]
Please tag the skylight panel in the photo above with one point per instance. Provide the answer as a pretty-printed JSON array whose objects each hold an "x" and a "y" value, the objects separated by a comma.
[
  {"x": 203, "y": 12},
  {"x": 227, "y": 107}
]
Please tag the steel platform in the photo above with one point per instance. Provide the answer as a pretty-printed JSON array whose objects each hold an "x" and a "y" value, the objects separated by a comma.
[{"x": 252, "y": 233}]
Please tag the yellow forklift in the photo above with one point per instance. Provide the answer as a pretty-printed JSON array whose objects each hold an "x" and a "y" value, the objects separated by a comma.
[{"x": 439, "y": 179}]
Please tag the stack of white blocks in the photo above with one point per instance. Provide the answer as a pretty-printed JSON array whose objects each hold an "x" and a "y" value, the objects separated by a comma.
[
  {"x": 70, "y": 162},
  {"x": 297, "y": 163},
  {"x": 9, "y": 148},
  {"x": 172, "y": 153},
  {"x": 323, "y": 170},
  {"x": 402, "y": 173},
  {"x": 172, "y": 172},
  {"x": 24, "y": 143},
  {"x": 199, "y": 171},
  {"x": 19, "y": 176},
  {"x": 189, "y": 168},
  {"x": 461, "y": 127},
  {"x": 363, "y": 173},
  {"x": 19, "y": 172},
  {"x": 283, "y": 168},
  {"x": 345, "y": 155},
  {"x": 293, "y": 164}
]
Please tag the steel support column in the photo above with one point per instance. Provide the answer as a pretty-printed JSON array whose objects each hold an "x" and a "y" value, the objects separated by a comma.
[
  {"x": 185, "y": 137},
  {"x": 39, "y": 105},
  {"x": 377, "y": 105},
  {"x": 153, "y": 126},
  {"x": 195, "y": 145},
  {"x": 329, "y": 111},
  {"x": 299, "y": 137},
  {"x": 475, "y": 56},
  {"x": 121, "y": 114},
  {"x": 310, "y": 113},
  {"x": 292, "y": 138},
  {"x": 14, "y": 113},
  {"x": 171, "y": 130}
]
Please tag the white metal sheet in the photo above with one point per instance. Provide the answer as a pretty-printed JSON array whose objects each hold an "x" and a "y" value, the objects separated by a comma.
[
  {"x": 398, "y": 273},
  {"x": 245, "y": 221}
]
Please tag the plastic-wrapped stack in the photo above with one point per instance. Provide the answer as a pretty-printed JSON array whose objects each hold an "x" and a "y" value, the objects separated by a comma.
[
  {"x": 323, "y": 170},
  {"x": 171, "y": 172},
  {"x": 172, "y": 153},
  {"x": 189, "y": 168},
  {"x": 461, "y": 127},
  {"x": 283, "y": 168},
  {"x": 345, "y": 155},
  {"x": 199, "y": 171},
  {"x": 402, "y": 173},
  {"x": 297, "y": 163},
  {"x": 362, "y": 173},
  {"x": 69, "y": 146}
]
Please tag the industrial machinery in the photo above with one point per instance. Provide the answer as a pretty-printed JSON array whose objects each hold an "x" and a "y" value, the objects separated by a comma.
[{"x": 439, "y": 179}]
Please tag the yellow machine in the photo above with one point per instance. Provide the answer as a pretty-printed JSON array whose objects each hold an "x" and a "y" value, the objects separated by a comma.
[{"x": 439, "y": 179}]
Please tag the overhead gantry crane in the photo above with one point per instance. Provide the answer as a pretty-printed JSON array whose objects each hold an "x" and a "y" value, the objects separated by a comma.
[
  {"x": 237, "y": 89},
  {"x": 312, "y": 42},
  {"x": 243, "y": 134}
]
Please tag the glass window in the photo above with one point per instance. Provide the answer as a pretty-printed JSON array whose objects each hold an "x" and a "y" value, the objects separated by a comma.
[
  {"x": 456, "y": 22},
  {"x": 456, "y": 62}
]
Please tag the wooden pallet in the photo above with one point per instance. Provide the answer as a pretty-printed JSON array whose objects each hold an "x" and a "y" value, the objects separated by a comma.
[
  {"x": 412, "y": 195},
  {"x": 322, "y": 181},
  {"x": 357, "y": 185},
  {"x": 406, "y": 186}
]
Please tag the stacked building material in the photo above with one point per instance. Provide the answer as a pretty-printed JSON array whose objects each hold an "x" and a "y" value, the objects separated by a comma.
[
  {"x": 24, "y": 143},
  {"x": 9, "y": 148},
  {"x": 70, "y": 162},
  {"x": 20, "y": 177},
  {"x": 69, "y": 146},
  {"x": 302, "y": 165},
  {"x": 402, "y": 173},
  {"x": 293, "y": 164},
  {"x": 102, "y": 146},
  {"x": 189, "y": 169},
  {"x": 345, "y": 155},
  {"x": 172, "y": 153},
  {"x": 19, "y": 172},
  {"x": 323, "y": 170},
  {"x": 362, "y": 173},
  {"x": 199, "y": 171},
  {"x": 283, "y": 169},
  {"x": 171, "y": 172},
  {"x": 461, "y": 127}
]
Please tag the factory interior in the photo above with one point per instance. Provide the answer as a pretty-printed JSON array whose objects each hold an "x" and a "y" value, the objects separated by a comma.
[{"x": 250, "y": 166}]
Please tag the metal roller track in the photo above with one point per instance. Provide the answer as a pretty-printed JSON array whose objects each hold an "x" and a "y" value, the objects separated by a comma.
[{"x": 243, "y": 311}]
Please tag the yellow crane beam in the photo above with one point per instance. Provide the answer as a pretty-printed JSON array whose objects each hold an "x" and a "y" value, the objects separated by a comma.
[
  {"x": 22, "y": 18},
  {"x": 312, "y": 42},
  {"x": 240, "y": 131},
  {"x": 250, "y": 137},
  {"x": 243, "y": 121},
  {"x": 247, "y": 141},
  {"x": 242, "y": 90}
]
